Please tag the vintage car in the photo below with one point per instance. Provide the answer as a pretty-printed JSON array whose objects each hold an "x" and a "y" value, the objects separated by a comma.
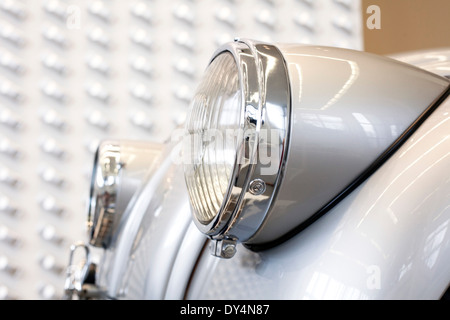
[{"x": 302, "y": 172}]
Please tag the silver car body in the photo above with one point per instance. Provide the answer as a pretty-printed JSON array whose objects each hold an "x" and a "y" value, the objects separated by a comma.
[{"x": 388, "y": 239}]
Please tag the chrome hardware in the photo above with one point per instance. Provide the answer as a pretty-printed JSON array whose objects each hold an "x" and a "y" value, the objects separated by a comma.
[
  {"x": 76, "y": 273},
  {"x": 103, "y": 194},
  {"x": 80, "y": 275},
  {"x": 257, "y": 187},
  {"x": 223, "y": 248}
]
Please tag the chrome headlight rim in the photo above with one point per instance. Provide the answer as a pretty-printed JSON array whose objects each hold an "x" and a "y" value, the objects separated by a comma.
[
  {"x": 104, "y": 189},
  {"x": 266, "y": 106}
]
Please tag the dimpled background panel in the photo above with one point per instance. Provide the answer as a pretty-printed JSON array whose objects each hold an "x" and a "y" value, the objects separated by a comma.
[{"x": 75, "y": 72}]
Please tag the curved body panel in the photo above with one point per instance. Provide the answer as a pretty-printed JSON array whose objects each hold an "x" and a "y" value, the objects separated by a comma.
[
  {"x": 389, "y": 239},
  {"x": 433, "y": 60},
  {"x": 345, "y": 115},
  {"x": 139, "y": 262}
]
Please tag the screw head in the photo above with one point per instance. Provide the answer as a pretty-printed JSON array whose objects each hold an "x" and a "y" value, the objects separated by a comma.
[
  {"x": 257, "y": 187},
  {"x": 228, "y": 250},
  {"x": 223, "y": 248}
]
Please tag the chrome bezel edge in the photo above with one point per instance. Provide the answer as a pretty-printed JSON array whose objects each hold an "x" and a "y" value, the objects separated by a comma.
[
  {"x": 100, "y": 226},
  {"x": 253, "y": 78}
]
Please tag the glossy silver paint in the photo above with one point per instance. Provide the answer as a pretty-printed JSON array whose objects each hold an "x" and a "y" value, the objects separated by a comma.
[
  {"x": 432, "y": 60},
  {"x": 348, "y": 107},
  {"x": 138, "y": 265},
  {"x": 389, "y": 239}
]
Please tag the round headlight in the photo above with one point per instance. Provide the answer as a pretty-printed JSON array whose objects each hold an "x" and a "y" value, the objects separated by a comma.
[
  {"x": 119, "y": 169},
  {"x": 215, "y": 120},
  {"x": 278, "y": 134},
  {"x": 238, "y": 132}
]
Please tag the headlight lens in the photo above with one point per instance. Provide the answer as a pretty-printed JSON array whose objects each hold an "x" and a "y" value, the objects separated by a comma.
[
  {"x": 233, "y": 123},
  {"x": 214, "y": 125}
]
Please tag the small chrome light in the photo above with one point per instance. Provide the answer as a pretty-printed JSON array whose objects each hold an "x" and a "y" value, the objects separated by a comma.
[
  {"x": 119, "y": 169},
  {"x": 279, "y": 134}
]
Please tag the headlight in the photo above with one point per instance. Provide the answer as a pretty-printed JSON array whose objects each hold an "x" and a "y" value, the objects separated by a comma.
[
  {"x": 119, "y": 169},
  {"x": 217, "y": 106},
  {"x": 278, "y": 135}
]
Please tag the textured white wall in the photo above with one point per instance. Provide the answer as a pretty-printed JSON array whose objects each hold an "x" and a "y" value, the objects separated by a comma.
[{"x": 75, "y": 72}]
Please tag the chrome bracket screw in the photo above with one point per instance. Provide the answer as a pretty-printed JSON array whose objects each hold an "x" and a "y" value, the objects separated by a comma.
[
  {"x": 223, "y": 248},
  {"x": 257, "y": 187}
]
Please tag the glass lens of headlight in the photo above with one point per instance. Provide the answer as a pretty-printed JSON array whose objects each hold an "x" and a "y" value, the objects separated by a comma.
[{"x": 213, "y": 129}]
